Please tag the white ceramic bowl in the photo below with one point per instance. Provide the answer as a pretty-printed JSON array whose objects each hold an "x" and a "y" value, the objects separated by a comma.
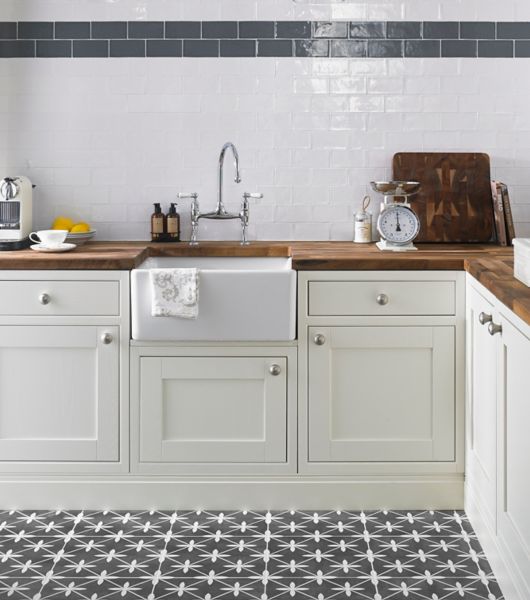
[{"x": 80, "y": 238}]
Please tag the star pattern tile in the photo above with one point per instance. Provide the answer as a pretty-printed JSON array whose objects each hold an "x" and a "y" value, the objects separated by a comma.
[{"x": 244, "y": 555}]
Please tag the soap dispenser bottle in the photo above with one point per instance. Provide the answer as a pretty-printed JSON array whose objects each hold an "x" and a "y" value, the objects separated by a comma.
[
  {"x": 158, "y": 224},
  {"x": 173, "y": 224}
]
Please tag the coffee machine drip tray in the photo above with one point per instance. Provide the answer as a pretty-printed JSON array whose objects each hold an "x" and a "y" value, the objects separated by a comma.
[{"x": 14, "y": 244}]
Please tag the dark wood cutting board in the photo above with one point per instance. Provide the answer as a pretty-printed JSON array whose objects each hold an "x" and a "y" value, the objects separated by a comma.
[{"x": 454, "y": 204}]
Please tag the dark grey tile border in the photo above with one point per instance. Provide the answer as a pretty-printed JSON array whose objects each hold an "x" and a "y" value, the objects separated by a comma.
[{"x": 312, "y": 39}]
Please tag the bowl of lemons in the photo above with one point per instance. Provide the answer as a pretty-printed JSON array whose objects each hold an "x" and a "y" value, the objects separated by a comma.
[{"x": 78, "y": 233}]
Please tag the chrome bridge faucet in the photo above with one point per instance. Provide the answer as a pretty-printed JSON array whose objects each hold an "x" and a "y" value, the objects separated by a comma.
[{"x": 220, "y": 211}]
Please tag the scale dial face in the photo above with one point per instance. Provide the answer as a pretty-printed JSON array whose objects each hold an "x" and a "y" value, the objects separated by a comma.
[{"x": 398, "y": 224}]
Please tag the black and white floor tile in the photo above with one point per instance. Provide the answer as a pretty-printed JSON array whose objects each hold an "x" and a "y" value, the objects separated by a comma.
[{"x": 278, "y": 555}]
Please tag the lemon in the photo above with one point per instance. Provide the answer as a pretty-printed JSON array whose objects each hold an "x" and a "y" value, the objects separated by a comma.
[
  {"x": 80, "y": 228},
  {"x": 63, "y": 223}
]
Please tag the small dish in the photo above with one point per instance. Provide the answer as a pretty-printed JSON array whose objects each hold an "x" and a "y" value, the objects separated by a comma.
[
  {"x": 82, "y": 237},
  {"x": 59, "y": 248}
]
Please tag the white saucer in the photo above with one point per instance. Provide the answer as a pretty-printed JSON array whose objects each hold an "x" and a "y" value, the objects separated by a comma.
[{"x": 59, "y": 248}]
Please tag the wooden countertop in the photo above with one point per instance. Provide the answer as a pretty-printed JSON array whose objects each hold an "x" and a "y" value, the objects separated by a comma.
[
  {"x": 491, "y": 265},
  {"x": 305, "y": 255}
]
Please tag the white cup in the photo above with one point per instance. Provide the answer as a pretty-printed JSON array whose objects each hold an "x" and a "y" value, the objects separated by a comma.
[{"x": 49, "y": 237}]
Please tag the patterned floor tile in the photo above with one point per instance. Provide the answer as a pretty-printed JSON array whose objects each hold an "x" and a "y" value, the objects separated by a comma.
[{"x": 244, "y": 555}]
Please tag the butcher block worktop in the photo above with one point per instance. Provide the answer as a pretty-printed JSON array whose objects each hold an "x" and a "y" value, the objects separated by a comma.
[{"x": 491, "y": 265}]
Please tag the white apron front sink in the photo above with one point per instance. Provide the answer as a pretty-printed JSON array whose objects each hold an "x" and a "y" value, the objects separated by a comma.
[{"x": 240, "y": 299}]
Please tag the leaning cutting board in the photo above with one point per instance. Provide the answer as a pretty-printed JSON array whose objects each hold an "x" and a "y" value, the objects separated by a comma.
[{"x": 454, "y": 203}]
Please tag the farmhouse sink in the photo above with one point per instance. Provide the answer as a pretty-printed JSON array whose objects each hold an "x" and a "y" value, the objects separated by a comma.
[{"x": 240, "y": 299}]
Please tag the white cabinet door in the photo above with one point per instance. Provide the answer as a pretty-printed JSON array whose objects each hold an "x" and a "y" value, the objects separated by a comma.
[
  {"x": 481, "y": 459},
  {"x": 514, "y": 448},
  {"x": 59, "y": 393},
  {"x": 381, "y": 394},
  {"x": 213, "y": 409}
]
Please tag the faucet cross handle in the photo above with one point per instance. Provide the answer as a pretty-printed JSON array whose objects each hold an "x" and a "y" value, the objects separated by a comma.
[
  {"x": 248, "y": 195},
  {"x": 195, "y": 214},
  {"x": 244, "y": 214}
]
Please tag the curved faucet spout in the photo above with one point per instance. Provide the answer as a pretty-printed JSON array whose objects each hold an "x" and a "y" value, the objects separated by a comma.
[{"x": 220, "y": 209}]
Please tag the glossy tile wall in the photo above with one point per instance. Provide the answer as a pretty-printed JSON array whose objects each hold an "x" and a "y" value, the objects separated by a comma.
[{"x": 105, "y": 138}]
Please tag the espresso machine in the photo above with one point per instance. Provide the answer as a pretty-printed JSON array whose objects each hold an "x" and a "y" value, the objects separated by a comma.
[{"x": 16, "y": 208}]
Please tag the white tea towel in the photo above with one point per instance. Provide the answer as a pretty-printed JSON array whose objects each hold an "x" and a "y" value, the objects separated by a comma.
[{"x": 175, "y": 293}]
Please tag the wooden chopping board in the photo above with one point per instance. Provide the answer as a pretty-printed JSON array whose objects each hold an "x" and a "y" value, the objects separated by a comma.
[{"x": 454, "y": 204}]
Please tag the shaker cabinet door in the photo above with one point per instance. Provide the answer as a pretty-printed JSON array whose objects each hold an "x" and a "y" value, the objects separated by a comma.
[
  {"x": 481, "y": 460},
  {"x": 59, "y": 393},
  {"x": 381, "y": 394},
  {"x": 213, "y": 409}
]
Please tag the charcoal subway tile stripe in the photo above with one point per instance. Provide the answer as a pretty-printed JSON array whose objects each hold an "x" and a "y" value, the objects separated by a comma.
[
  {"x": 127, "y": 48},
  {"x": 475, "y": 30},
  {"x": 513, "y": 31},
  {"x": 522, "y": 48},
  {"x": 257, "y": 29},
  {"x": 17, "y": 49},
  {"x": 293, "y": 29},
  {"x": 368, "y": 30},
  {"x": 146, "y": 29},
  {"x": 440, "y": 30},
  {"x": 277, "y": 48},
  {"x": 54, "y": 48},
  {"x": 333, "y": 29},
  {"x": 109, "y": 29},
  {"x": 164, "y": 48},
  {"x": 459, "y": 48},
  {"x": 422, "y": 48},
  {"x": 348, "y": 48},
  {"x": 219, "y": 29},
  {"x": 495, "y": 48},
  {"x": 8, "y": 31},
  {"x": 35, "y": 30},
  {"x": 74, "y": 30},
  {"x": 201, "y": 48},
  {"x": 385, "y": 48},
  {"x": 235, "y": 48},
  {"x": 91, "y": 49},
  {"x": 311, "y": 48},
  {"x": 403, "y": 29},
  {"x": 183, "y": 29}
]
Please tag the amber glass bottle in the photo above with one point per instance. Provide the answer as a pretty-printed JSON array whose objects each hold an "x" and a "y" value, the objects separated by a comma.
[
  {"x": 173, "y": 224},
  {"x": 158, "y": 224}
]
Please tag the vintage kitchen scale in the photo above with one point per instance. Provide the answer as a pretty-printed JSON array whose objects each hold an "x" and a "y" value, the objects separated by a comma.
[{"x": 397, "y": 224}]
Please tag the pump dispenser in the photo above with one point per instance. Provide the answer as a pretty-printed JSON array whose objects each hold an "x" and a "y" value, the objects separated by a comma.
[
  {"x": 173, "y": 224},
  {"x": 158, "y": 224}
]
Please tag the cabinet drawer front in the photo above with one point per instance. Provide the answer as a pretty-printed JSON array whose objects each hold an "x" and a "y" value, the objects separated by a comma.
[
  {"x": 58, "y": 298},
  {"x": 213, "y": 410},
  {"x": 342, "y": 298}
]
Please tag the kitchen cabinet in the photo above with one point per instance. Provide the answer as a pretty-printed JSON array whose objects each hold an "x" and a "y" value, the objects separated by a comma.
[
  {"x": 498, "y": 412},
  {"x": 214, "y": 409},
  {"x": 64, "y": 340},
  {"x": 381, "y": 382}
]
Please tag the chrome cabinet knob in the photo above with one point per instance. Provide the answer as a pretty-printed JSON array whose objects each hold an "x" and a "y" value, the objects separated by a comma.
[
  {"x": 493, "y": 328},
  {"x": 107, "y": 338},
  {"x": 319, "y": 339},
  {"x": 275, "y": 370},
  {"x": 45, "y": 299},
  {"x": 382, "y": 299},
  {"x": 484, "y": 318}
]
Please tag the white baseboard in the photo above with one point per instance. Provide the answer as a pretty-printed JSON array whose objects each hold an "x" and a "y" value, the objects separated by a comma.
[{"x": 137, "y": 493}]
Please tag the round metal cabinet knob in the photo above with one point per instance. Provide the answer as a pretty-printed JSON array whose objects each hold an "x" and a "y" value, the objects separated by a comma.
[
  {"x": 275, "y": 370},
  {"x": 382, "y": 299},
  {"x": 106, "y": 338},
  {"x": 484, "y": 318},
  {"x": 319, "y": 339},
  {"x": 45, "y": 299},
  {"x": 493, "y": 328}
]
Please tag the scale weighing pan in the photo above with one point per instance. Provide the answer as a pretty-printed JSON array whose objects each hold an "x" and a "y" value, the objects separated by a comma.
[{"x": 396, "y": 188}]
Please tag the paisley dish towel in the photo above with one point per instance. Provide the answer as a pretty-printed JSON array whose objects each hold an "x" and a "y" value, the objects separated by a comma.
[{"x": 175, "y": 293}]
